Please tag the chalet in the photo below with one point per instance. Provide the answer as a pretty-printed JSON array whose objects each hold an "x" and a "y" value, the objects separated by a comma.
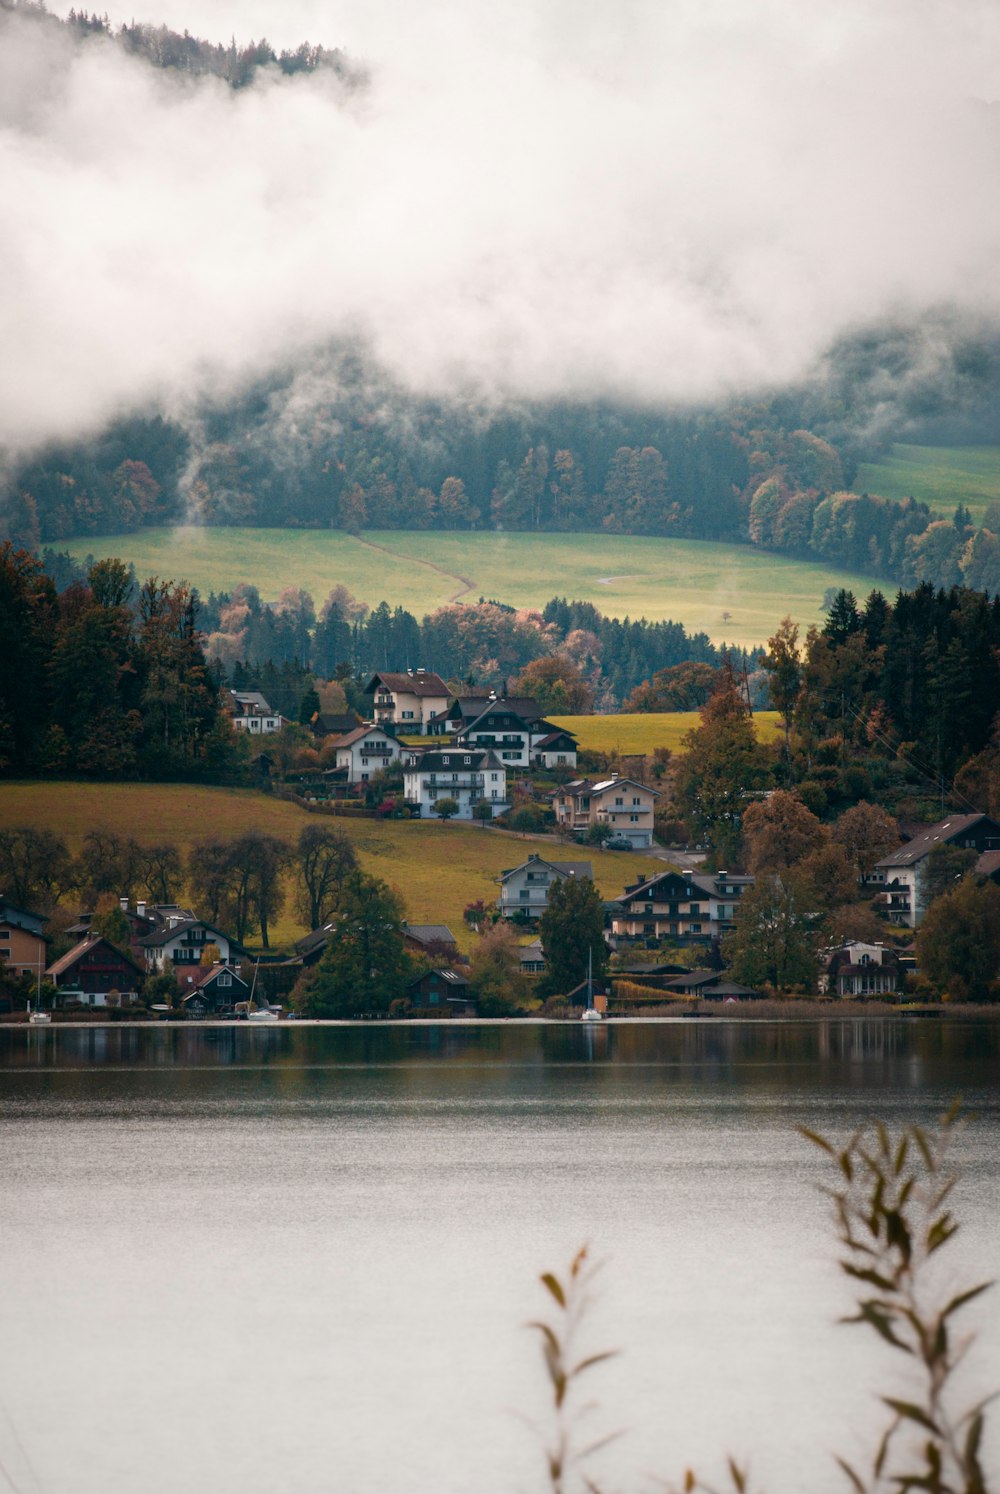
[
  {"x": 525, "y": 888},
  {"x": 183, "y": 940},
  {"x": 365, "y": 751},
  {"x": 249, "y": 711},
  {"x": 409, "y": 702},
  {"x": 685, "y": 907},
  {"x": 91, "y": 971},
  {"x": 859, "y": 969},
  {"x": 22, "y": 943},
  {"x": 709, "y": 985},
  {"x": 447, "y": 990},
  {"x": 211, "y": 989},
  {"x": 903, "y": 873},
  {"x": 623, "y": 804},
  {"x": 469, "y": 777},
  {"x": 514, "y": 728}
]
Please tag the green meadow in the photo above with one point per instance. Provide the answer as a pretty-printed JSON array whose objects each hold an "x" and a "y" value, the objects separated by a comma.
[
  {"x": 733, "y": 593},
  {"x": 942, "y": 476}
]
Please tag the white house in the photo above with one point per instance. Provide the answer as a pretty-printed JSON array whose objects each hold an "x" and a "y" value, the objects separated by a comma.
[
  {"x": 410, "y": 701},
  {"x": 860, "y": 969},
  {"x": 620, "y": 803},
  {"x": 249, "y": 711},
  {"x": 903, "y": 874},
  {"x": 514, "y": 728},
  {"x": 453, "y": 772},
  {"x": 365, "y": 751},
  {"x": 183, "y": 941},
  {"x": 556, "y": 749},
  {"x": 525, "y": 888}
]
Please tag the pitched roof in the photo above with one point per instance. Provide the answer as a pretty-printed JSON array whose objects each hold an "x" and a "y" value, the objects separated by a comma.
[
  {"x": 566, "y": 868},
  {"x": 11, "y": 913},
  {"x": 252, "y": 701},
  {"x": 208, "y": 973},
  {"x": 988, "y": 864},
  {"x": 699, "y": 881},
  {"x": 315, "y": 940},
  {"x": 943, "y": 833},
  {"x": 438, "y": 759},
  {"x": 60, "y": 966},
  {"x": 164, "y": 935},
  {"x": 357, "y": 733},
  {"x": 429, "y": 933},
  {"x": 420, "y": 682},
  {"x": 589, "y": 786},
  {"x": 332, "y": 723},
  {"x": 451, "y": 977},
  {"x": 553, "y": 737}
]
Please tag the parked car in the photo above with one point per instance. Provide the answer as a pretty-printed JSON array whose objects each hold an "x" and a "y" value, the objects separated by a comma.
[{"x": 618, "y": 843}]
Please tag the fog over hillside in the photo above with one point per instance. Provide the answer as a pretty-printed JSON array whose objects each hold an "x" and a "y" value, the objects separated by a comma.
[{"x": 652, "y": 202}]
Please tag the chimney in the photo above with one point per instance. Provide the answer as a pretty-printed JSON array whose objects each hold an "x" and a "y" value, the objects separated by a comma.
[
  {"x": 124, "y": 904},
  {"x": 140, "y": 908}
]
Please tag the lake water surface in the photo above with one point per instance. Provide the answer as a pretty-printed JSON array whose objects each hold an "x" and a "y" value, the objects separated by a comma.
[{"x": 300, "y": 1259}]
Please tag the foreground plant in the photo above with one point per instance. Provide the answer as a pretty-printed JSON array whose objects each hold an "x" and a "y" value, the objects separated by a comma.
[
  {"x": 892, "y": 1218},
  {"x": 890, "y": 1207}
]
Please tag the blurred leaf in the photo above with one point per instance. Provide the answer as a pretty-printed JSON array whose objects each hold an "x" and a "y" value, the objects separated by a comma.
[
  {"x": 912, "y": 1413},
  {"x": 555, "y": 1287}
]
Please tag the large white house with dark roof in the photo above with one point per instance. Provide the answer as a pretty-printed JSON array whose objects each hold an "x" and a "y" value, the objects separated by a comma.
[
  {"x": 902, "y": 875},
  {"x": 454, "y": 772},
  {"x": 365, "y": 751}
]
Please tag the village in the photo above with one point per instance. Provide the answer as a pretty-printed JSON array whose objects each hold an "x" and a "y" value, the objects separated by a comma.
[{"x": 556, "y": 948}]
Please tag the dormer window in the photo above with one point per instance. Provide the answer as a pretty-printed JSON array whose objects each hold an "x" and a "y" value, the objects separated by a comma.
[{"x": 446, "y": 759}]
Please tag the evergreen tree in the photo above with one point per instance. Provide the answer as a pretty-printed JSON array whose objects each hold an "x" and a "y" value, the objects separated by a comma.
[
  {"x": 572, "y": 931},
  {"x": 365, "y": 967}
]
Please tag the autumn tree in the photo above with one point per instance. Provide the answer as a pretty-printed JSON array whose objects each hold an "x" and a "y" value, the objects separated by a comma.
[
  {"x": 324, "y": 858},
  {"x": 557, "y": 684},
  {"x": 866, "y": 832},
  {"x": 109, "y": 862},
  {"x": 722, "y": 767},
  {"x": 958, "y": 942},
  {"x": 784, "y": 672},
  {"x": 240, "y": 881},
  {"x": 161, "y": 872},
  {"x": 446, "y": 808},
  {"x": 572, "y": 934},
  {"x": 496, "y": 977},
  {"x": 780, "y": 832}
]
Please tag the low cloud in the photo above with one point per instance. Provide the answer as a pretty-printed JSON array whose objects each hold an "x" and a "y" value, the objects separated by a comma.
[{"x": 657, "y": 203}]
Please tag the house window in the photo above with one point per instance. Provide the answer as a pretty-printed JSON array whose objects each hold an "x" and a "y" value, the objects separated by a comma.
[
  {"x": 493, "y": 777},
  {"x": 407, "y": 715},
  {"x": 224, "y": 979},
  {"x": 446, "y": 759},
  {"x": 634, "y": 818},
  {"x": 696, "y": 928},
  {"x": 649, "y": 928},
  {"x": 525, "y": 895},
  {"x": 466, "y": 761},
  {"x": 619, "y": 801},
  {"x": 636, "y": 799}
]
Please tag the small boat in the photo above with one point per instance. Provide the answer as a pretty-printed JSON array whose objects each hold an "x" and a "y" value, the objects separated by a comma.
[
  {"x": 38, "y": 1018},
  {"x": 590, "y": 1012},
  {"x": 255, "y": 1013}
]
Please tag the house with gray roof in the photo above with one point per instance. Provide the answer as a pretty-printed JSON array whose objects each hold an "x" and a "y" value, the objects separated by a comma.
[
  {"x": 902, "y": 874},
  {"x": 525, "y": 889}
]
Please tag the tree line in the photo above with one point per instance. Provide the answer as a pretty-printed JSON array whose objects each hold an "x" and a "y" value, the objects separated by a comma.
[{"x": 735, "y": 474}]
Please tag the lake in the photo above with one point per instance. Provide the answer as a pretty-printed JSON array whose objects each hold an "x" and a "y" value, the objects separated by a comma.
[{"x": 299, "y": 1260}]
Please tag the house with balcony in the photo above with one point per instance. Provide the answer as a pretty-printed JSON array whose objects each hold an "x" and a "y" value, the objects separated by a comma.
[
  {"x": 408, "y": 702},
  {"x": 469, "y": 777},
  {"x": 623, "y": 804},
  {"x": 525, "y": 889},
  {"x": 514, "y": 728},
  {"x": 184, "y": 940},
  {"x": 902, "y": 875},
  {"x": 249, "y": 711},
  {"x": 23, "y": 946},
  {"x": 684, "y": 907},
  {"x": 365, "y": 751}
]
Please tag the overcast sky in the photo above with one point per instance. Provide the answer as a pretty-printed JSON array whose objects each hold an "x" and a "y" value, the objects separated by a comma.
[{"x": 664, "y": 201}]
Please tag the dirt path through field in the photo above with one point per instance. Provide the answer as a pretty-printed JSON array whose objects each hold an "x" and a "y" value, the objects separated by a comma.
[{"x": 463, "y": 590}]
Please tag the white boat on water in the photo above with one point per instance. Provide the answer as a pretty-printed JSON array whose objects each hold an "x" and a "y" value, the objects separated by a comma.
[
  {"x": 38, "y": 1018},
  {"x": 251, "y": 1010},
  {"x": 590, "y": 1012}
]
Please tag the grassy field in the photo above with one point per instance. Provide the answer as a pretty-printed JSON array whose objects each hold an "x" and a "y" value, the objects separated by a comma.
[
  {"x": 731, "y": 592},
  {"x": 942, "y": 476},
  {"x": 641, "y": 733},
  {"x": 437, "y": 868}
]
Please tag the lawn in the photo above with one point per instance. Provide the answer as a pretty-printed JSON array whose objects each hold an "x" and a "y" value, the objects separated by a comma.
[
  {"x": 642, "y": 732},
  {"x": 942, "y": 476},
  {"x": 437, "y": 868},
  {"x": 733, "y": 593}
]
